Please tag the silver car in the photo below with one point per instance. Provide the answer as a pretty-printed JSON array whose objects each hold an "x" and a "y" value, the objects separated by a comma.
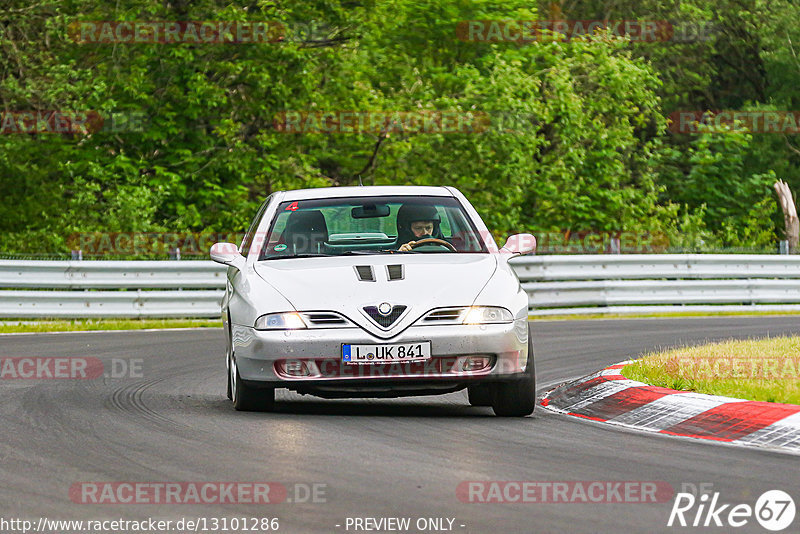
[{"x": 382, "y": 291}]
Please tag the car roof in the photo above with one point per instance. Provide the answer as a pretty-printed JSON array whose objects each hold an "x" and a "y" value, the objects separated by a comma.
[{"x": 366, "y": 191}]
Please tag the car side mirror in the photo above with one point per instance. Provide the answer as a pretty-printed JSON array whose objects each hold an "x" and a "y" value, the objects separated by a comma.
[
  {"x": 518, "y": 244},
  {"x": 227, "y": 254}
]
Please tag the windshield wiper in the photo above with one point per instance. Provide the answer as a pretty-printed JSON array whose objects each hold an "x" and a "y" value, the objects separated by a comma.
[
  {"x": 364, "y": 252},
  {"x": 307, "y": 255},
  {"x": 412, "y": 251}
]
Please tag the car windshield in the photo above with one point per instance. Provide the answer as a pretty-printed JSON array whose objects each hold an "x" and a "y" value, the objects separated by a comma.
[{"x": 370, "y": 225}]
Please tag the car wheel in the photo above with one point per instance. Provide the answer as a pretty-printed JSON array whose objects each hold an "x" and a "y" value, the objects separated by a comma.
[
  {"x": 480, "y": 395},
  {"x": 516, "y": 398},
  {"x": 247, "y": 398}
]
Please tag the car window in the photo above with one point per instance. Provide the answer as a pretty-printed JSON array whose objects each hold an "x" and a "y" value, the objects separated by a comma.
[
  {"x": 247, "y": 242},
  {"x": 364, "y": 225}
]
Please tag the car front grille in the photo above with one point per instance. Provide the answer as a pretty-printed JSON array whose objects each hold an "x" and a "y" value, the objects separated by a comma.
[{"x": 384, "y": 321}]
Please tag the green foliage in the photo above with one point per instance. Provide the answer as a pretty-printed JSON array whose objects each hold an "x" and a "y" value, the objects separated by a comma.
[
  {"x": 754, "y": 369},
  {"x": 577, "y": 140},
  {"x": 710, "y": 179}
]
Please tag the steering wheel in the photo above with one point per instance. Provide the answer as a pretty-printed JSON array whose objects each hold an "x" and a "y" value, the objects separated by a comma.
[{"x": 433, "y": 241}]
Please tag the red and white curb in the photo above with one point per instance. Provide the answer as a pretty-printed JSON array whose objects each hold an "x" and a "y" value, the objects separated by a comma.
[{"x": 609, "y": 397}]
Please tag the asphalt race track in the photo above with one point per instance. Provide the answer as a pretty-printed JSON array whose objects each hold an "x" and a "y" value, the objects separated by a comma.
[{"x": 376, "y": 458}]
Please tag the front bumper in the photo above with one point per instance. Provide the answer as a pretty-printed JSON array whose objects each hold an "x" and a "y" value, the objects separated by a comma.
[{"x": 261, "y": 356}]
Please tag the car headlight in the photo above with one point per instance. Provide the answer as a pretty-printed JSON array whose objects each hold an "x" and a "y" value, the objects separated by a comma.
[
  {"x": 487, "y": 315},
  {"x": 280, "y": 321}
]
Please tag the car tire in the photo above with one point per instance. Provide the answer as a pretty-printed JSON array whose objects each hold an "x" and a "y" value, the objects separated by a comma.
[
  {"x": 228, "y": 359},
  {"x": 517, "y": 398},
  {"x": 247, "y": 398},
  {"x": 479, "y": 395},
  {"x": 228, "y": 377},
  {"x": 228, "y": 367}
]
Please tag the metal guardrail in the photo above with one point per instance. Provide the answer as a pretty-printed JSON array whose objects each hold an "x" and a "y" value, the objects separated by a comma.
[
  {"x": 111, "y": 274},
  {"x": 138, "y": 303},
  {"x": 655, "y": 266},
  {"x": 555, "y": 285},
  {"x": 142, "y": 288},
  {"x": 659, "y": 283}
]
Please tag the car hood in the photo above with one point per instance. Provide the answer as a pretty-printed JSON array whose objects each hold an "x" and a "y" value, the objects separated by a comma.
[{"x": 333, "y": 284}]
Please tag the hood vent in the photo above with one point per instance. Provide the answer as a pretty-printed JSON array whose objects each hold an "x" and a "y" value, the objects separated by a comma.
[
  {"x": 364, "y": 273},
  {"x": 385, "y": 321},
  {"x": 395, "y": 272}
]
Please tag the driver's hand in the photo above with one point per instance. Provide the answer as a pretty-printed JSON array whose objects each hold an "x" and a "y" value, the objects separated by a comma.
[{"x": 407, "y": 246}]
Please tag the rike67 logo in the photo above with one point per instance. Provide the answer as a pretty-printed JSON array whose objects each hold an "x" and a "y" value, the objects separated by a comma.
[{"x": 774, "y": 510}]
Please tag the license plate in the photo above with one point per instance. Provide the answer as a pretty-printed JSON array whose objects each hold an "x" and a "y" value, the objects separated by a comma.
[{"x": 387, "y": 353}]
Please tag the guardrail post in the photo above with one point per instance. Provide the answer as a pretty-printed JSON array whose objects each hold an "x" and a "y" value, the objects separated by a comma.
[
  {"x": 77, "y": 255},
  {"x": 784, "y": 247},
  {"x": 175, "y": 254}
]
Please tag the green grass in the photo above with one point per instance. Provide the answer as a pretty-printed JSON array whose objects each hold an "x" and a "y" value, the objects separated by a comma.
[
  {"x": 573, "y": 317},
  {"x": 759, "y": 369},
  {"x": 8, "y": 326}
]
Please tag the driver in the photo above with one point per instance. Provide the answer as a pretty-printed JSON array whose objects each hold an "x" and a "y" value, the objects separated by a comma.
[{"x": 416, "y": 222}]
